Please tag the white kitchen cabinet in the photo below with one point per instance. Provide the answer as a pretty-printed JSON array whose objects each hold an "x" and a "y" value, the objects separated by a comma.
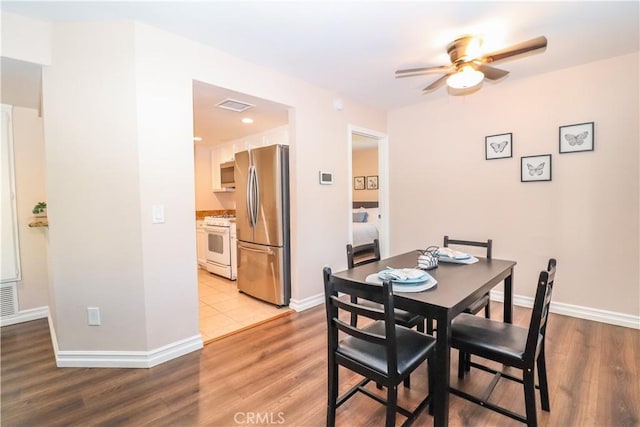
[{"x": 201, "y": 240}]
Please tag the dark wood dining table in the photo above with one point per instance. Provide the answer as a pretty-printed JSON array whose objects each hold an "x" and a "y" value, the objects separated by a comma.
[{"x": 458, "y": 286}]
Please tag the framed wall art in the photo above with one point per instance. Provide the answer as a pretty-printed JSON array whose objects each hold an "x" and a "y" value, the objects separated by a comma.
[
  {"x": 358, "y": 183},
  {"x": 372, "y": 182},
  {"x": 498, "y": 146},
  {"x": 535, "y": 168},
  {"x": 574, "y": 138}
]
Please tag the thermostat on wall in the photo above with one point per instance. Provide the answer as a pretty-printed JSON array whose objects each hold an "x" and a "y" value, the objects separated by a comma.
[{"x": 326, "y": 178}]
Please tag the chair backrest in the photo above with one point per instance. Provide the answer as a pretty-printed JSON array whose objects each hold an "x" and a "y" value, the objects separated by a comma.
[
  {"x": 372, "y": 249},
  {"x": 488, "y": 244},
  {"x": 540, "y": 312},
  {"x": 381, "y": 294}
]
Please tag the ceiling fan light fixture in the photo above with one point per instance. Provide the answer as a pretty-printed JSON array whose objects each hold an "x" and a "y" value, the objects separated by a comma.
[{"x": 466, "y": 78}]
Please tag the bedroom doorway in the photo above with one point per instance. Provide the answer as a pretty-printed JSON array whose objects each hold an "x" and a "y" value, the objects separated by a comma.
[{"x": 368, "y": 169}]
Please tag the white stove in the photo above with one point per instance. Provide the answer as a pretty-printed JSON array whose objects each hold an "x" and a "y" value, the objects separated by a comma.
[
  {"x": 221, "y": 245},
  {"x": 219, "y": 220}
]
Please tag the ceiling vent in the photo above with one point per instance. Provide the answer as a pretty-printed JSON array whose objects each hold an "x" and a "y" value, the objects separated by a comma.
[{"x": 234, "y": 105}]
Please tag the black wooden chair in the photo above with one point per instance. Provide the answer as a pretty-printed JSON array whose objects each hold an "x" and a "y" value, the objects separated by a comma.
[
  {"x": 403, "y": 318},
  {"x": 380, "y": 351},
  {"x": 479, "y": 304},
  {"x": 511, "y": 345}
]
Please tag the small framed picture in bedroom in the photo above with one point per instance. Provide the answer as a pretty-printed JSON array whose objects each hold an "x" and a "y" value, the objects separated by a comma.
[
  {"x": 358, "y": 183},
  {"x": 372, "y": 182},
  {"x": 498, "y": 146}
]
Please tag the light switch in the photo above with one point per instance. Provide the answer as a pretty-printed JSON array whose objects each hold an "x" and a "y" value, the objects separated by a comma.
[
  {"x": 157, "y": 214},
  {"x": 93, "y": 315}
]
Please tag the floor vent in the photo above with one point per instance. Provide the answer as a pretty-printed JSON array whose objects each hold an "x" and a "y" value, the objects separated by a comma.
[
  {"x": 234, "y": 105},
  {"x": 8, "y": 299}
]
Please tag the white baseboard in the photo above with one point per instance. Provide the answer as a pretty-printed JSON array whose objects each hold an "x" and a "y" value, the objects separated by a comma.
[
  {"x": 126, "y": 359},
  {"x": 25, "y": 316},
  {"x": 307, "y": 303},
  {"x": 595, "y": 314}
]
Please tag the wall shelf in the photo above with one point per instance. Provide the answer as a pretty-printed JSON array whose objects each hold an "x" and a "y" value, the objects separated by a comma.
[{"x": 39, "y": 222}]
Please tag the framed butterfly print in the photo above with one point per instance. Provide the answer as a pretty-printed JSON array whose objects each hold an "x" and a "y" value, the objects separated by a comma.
[
  {"x": 358, "y": 183},
  {"x": 575, "y": 138},
  {"x": 498, "y": 146},
  {"x": 535, "y": 168}
]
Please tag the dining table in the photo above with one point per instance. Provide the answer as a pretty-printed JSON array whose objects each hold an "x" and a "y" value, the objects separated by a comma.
[{"x": 458, "y": 285}]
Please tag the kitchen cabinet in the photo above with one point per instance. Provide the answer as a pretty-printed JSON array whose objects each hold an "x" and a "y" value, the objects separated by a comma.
[{"x": 201, "y": 241}]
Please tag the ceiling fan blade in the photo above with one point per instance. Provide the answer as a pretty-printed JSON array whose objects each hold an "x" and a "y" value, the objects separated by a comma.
[
  {"x": 516, "y": 49},
  {"x": 410, "y": 72},
  {"x": 491, "y": 73},
  {"x": 436, "y": 84}
]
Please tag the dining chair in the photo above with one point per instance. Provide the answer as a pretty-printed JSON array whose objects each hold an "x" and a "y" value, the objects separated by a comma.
[
  {"x": 380, "y": 351},
  {"x": 403, "y": 318},
  {"x": 480, "y": 303},
  {"x": 512, "y": 346}
]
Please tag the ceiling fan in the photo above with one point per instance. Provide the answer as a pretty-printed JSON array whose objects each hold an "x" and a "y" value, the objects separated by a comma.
[{"x": 469, "y": 65}]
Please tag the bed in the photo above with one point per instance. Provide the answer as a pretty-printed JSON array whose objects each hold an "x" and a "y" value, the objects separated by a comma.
[{"x": 365, "y": 222}]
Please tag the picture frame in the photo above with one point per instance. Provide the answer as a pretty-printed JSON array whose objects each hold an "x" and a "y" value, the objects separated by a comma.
[
  {"x": 372, "y": 182},
  {"x": 578, "y": 137},
  {"x": 535, "y": 168},
  {"x": 358, "y": 183},
  {"x": 498, "y": 146}
]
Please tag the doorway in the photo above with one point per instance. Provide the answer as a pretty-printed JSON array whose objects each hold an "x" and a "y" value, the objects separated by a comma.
[
  {"x": 226, "y": 122},
  {"x": 368, "y": 169}
]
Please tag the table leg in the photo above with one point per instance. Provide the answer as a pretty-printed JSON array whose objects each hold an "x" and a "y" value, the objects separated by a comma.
[
  {"x": 508, "y": 298},
  {"x": 441, "y": 372}
]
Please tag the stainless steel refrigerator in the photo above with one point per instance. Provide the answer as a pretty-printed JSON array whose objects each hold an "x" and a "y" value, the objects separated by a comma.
[{"x": 262, "y": 221}]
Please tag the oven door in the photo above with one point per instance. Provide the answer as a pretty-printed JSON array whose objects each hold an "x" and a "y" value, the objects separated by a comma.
[{"x": 218, "y": 245}]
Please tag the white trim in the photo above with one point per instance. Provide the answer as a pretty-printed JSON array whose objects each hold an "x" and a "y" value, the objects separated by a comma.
[
  {"x": 595, "y": 314},
  {"x": 307, "y": 303},
  {"x": 127, "y": 359},
  {"x": 25, "y": 316}
]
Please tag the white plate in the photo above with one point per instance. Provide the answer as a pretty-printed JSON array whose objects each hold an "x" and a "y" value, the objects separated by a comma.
[
  {"x": 470, "y": 260},
  {"x": 414, "y": 271},
  {"x": 428, "y": 283}
]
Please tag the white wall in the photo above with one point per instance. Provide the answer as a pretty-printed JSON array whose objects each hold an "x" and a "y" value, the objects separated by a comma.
[
  {"x": 26, "y": 39},
  {"x": 587, "y": 217},
  {"x": 29, "y": 154},
  {"x": 365, "y": 163},
  {"x": 94, "y": 187}
]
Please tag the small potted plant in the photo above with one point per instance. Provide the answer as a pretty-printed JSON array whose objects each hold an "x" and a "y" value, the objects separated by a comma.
[{"x": 40, "y": 209}]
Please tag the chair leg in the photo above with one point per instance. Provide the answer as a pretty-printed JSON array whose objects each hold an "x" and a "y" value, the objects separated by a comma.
[
  {"x": 332, "y": 395},
  {"x": 487, "y": 310},
  {"x": 461, "y": 364},
  {"x": 429, "y": 325},
  {"x": 542, "y": 381},
  {"x": 430, "y": 380},
  {"x": 407, "y": 381},
  {"x": 420, "y": 326},
  {"x": 530, "y": 397},
  {"x": 392, "y": 403},
  {"x": 467, "y": 362}
]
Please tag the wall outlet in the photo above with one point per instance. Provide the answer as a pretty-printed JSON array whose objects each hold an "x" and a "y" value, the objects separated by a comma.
[{"x": 93, "y": 315}]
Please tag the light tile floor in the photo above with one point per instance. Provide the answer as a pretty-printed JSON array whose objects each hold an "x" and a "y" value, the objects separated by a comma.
[{"x": 224, "y": 310}]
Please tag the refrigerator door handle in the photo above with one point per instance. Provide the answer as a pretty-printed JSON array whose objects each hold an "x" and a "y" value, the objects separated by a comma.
[
  {"x": 250, "y": 196},
  {"x": 256, "y": 197},
  {"x": 260, "y": 251}
]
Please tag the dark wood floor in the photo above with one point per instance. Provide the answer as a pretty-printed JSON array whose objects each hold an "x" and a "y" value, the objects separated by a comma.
[{"x": 276, "y": 374}]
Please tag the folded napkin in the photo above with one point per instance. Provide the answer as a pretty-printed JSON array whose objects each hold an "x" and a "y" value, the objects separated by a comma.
[
  {"x": 401, "y": 274},
  {"x": 451, "y": 253}
]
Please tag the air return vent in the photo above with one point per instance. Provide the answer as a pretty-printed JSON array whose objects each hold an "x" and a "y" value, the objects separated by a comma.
[
  {"x": 235, "y": 105},
  {"x": 8, "y": 299}
]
